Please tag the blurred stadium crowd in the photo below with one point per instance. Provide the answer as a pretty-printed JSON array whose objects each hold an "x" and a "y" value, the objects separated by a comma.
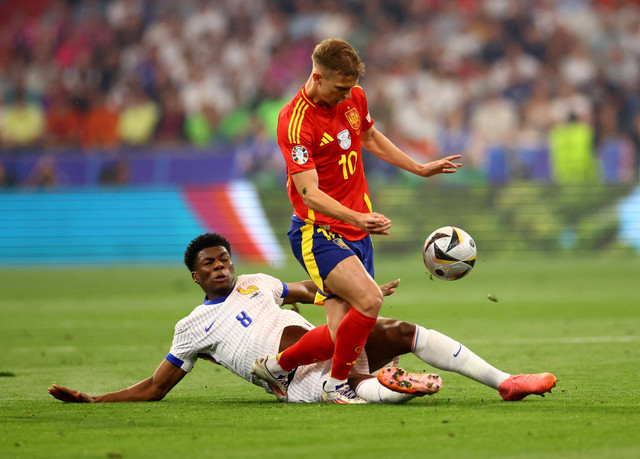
[{"x": 545, "y": 90}]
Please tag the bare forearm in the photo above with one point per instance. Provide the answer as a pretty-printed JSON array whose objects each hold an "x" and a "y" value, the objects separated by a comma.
[
  {"x": 144, "y": 391},
  {"x": 306, "y": 184},
  {"x": 151, "y": 389},
  {"x": 379, "y": 145},
  {"x": 301, "y": 292},
  {"x": 321, "y": 202},
  {"x": 384, "y": 149}
]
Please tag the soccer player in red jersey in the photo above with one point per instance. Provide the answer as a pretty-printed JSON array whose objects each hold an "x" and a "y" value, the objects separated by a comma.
[{"x": 321, "y": 132}]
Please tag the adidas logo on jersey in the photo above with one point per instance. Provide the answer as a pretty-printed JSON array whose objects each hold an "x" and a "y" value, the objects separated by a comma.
[{"x": 326, "y": 138}]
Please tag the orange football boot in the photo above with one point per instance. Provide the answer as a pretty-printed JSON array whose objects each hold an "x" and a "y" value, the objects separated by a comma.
[
  {"x": 419, "y": 384},
  {"x": 517, "y": 387}
]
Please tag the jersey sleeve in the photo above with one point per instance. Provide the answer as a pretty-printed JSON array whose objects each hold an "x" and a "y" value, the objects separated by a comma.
[
  {"x": 364, "y": 108},
  {"x": 295, "y": 138},
  {"x": 298, "y": 156},
  {"x": 278, "y": 288},
  {"x": 182, "y": 353}
]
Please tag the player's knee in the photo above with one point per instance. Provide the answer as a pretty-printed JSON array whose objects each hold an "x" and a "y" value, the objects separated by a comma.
[
  {"x": 370, "y": 304},
  {"x": 405, "y": 332},
  {"x": 399, "y": 333}
]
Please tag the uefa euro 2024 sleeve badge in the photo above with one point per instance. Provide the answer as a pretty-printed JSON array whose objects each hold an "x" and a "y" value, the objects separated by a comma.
[{"x": 300, "y": 155}]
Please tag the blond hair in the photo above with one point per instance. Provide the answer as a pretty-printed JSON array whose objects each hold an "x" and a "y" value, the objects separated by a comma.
[{"x": 339, "y": 56}]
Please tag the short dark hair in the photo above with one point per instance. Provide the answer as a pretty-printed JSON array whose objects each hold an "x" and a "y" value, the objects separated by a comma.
[
  {"x": 339, "y": 56},
  {"x": 204, "y": 241}
]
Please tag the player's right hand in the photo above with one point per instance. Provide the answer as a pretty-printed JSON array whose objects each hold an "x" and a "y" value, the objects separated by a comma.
[
  {"x": 374, "y": 223},
  {"x": 69, "y": 395}
]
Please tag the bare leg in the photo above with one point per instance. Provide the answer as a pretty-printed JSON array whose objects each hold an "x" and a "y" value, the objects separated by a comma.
[
  {"x": 335, "y": 308},
  {"x": 351, "y": 282},
  {"x": 388, "y": 339}
]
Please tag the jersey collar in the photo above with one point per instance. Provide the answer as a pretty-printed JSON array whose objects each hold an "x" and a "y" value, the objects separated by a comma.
[
  {"x": 306, "y": 97},
  {"x": 207, "y": 301}
]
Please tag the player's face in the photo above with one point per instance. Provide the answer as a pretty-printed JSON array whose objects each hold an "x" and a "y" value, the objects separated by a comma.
[
  {"x": 214, "y": 272},
  {"x": 333, "y": 88}
]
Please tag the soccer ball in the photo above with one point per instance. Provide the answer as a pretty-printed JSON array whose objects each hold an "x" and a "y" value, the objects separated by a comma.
[{"x": 449, "y": 253}]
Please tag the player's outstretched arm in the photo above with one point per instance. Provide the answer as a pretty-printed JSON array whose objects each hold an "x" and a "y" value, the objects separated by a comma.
[
  {"x": 151, "y": 389},
  {"x": 378, "y": 144}
]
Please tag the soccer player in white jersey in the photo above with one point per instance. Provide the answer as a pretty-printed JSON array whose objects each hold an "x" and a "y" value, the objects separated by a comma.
[{"x": 241, "y": 320}]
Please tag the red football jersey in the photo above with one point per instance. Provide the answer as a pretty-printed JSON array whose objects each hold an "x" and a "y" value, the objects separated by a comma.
[{"x": 328, "y": 140}]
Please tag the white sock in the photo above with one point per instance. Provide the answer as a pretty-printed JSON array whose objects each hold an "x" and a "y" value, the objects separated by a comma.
[
  {"x": 373, "y": 392},
  {"x": 332, "y": 383},
  {"x": 447, "y": 354},
  {"x": 274, "y": 367}
]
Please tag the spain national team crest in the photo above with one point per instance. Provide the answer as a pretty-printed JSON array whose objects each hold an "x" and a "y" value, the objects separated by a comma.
[
  {"x": 344, "y": 139},
  {"x": 300, "y": 154},
  {"x": 340, "y": 243},
  {"x": 354, "y": 118}
]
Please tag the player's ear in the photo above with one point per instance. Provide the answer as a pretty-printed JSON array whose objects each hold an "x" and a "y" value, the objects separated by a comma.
[{"x": 194, "y": 276}]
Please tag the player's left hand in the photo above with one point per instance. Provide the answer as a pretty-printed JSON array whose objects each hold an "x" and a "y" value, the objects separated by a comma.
[
  {"x": 69, "y": 395},
  {"x": 440, "y": 166},
  {"x": 374, "y": 223},
  {"x": 390, "y": 287}
]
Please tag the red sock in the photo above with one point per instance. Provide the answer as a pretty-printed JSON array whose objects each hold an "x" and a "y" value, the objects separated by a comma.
[
  {"x": 314, "y": 346},
  {"x": 350, "y": 340}
]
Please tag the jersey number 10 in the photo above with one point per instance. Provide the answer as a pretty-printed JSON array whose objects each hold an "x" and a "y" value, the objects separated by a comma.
[{"x": 348, "y": 164}]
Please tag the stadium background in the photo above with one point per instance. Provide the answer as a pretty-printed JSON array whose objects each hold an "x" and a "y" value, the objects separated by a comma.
[{"x": 129, "y": 127}]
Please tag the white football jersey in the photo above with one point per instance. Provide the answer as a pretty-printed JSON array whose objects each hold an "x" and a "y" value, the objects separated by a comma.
[{"x": 235, "y": 330}]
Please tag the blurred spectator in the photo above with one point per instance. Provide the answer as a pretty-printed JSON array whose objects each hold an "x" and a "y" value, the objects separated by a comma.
[
  {"x": 200, "y": 126},
  {"x": 615, "y": 151},
  {"x": 570, "y": 103},
  {"x": 206, "y": 88},
  {"x": 577, "y": 66},
  {"x": 259, "y": 156},
  {"x": 116, "y": 173},
  {"x": 236, "y": 125},
  {"x": 532, "y": 149},
  {"x": 171, "y": 126},
  {"x": 137, "y": 121},
  {"x": 622, "y": 68},
  {"x": 23, "y": 123},
  {"x": 495, "y": 123},
  {"x": 7, "y": 178},
  {"x": 572, "y": 156},
  {"x": 456, "y": 136},
  {"x": 44, "y": 173},
  {"x": 63, "y": 121},
  {"x": 101, "y": 124},
  {"x": 635, "y": 140},
  {"x": 512, "y": 75}
]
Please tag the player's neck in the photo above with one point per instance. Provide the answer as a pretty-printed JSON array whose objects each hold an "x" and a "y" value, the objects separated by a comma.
[
  {"x": 216, "y": 294},
  {"x": 311, "y": 90}
]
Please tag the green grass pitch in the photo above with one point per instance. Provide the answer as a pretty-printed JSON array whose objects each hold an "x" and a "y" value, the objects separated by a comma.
[{"x": 103, "y": 329}]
